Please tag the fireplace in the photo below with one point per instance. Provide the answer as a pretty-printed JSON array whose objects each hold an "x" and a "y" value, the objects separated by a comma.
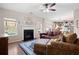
[{"x": 28, "y": 35}]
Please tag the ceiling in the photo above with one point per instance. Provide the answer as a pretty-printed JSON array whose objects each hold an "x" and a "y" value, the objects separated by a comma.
[{"x": 61, "y": 9}]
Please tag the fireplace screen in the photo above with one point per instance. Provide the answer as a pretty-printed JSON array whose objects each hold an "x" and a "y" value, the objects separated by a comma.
[{"x": 28, "y": 35}]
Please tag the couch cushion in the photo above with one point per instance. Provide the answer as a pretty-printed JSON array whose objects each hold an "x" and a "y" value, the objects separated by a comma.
[
  {"x": 77, "y": 41},
  {"x": 40, "y": 46},
  {"x": 53, "y": 40},
  {"x": 64, "y": 38},
  {"x": 56, "y": 32},
  {"x": 65, "y": 46},
  {"x": 71, "y": 38}
]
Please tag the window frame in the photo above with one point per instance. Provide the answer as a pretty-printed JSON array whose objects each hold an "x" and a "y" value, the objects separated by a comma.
[{"x": 6, "y": 24}]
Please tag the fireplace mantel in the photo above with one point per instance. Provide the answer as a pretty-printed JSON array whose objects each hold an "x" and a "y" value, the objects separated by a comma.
[{"x": 28, "y": 27}]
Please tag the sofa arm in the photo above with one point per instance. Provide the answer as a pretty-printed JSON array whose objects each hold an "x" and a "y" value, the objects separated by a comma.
[{"x": 65, "y": 46}]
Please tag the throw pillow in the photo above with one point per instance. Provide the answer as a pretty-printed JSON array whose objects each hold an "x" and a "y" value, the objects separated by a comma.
[
  {"x": 57, "y": 40},
  {"x": 71, "y": 38},
  {"x": 53, "y": 40}
]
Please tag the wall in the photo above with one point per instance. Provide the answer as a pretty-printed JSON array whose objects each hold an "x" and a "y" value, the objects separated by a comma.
[
  {"x": 76, "y": 17},
  {"x": 69, "y": 16},
  {"x": 20, "y": 17},
  {"x": 47, "y": 24},
  {"x": 1, "y": 26},
  {"x": 66, "y": 16}
]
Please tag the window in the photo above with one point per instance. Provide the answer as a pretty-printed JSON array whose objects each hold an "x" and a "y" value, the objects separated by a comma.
[{"x": 10, "y": 26}]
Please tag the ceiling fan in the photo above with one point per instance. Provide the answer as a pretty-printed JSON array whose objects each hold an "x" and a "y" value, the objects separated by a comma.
[{"x": 49, "y": 6}]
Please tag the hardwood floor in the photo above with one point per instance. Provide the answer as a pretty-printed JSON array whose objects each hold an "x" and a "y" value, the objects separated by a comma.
[{"x": 14, "y": 49}]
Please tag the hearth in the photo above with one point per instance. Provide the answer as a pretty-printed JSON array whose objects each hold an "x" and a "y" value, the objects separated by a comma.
[{"x": 28, "y": 35}]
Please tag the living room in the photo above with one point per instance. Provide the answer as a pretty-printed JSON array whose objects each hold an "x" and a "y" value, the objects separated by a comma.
[{"x": 17, "y": 20}]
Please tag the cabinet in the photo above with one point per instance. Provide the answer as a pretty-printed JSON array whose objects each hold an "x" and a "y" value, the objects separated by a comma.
[
  {"x": 68, "y": 26},
  {"x": 65, "y": 26},
  {"x": 3, "y": 45}
]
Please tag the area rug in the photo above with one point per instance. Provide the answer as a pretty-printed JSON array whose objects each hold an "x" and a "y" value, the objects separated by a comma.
[{"x": 28, "y": 46}]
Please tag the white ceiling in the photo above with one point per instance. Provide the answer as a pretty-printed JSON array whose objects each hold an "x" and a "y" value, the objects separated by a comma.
[{"x": 61, "y": 8}]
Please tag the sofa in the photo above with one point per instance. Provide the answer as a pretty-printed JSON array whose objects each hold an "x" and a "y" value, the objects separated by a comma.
[
  {"x": 66, "y": 45},
  {"x": 50, "y": 34}
]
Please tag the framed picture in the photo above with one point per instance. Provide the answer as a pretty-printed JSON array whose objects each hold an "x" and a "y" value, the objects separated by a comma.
[
  {"x": 28, "y": 21},
  {"x": 77, "y": 23}
]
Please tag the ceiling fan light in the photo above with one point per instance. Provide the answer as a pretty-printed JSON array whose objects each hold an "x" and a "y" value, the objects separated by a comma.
[{"x": 45, "y": 10}]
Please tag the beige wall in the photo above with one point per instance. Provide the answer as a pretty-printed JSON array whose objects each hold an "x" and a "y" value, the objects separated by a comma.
[
  {"x": 1, "y": 26},
  {"x": 38, "y": 23},
  {"x": 47, "y": 24},
  {"x": 20, "y": 17},
  {"x": 15, "y": 15},
  {"x": 76, "y": 17}
]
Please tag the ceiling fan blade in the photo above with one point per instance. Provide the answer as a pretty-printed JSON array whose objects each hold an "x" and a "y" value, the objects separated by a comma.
[
  {"x": 52, "y": 9},
  {"x": 53, "y": 4}
]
